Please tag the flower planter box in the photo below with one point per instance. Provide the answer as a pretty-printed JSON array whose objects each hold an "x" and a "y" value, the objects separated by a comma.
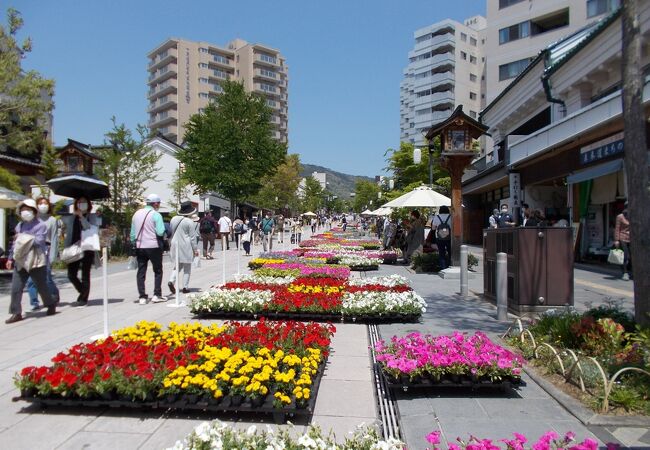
[
  {"x": 313, "y": 317},
  {"x": 191, "y": 402},
  {"x": 364, "y": 268},
  {"x": 445, "y": 382}
]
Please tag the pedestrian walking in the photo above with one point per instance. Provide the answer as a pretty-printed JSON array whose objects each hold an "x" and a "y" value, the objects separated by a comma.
[
  {"x": 147, "y": 230},
  {"x": 72, "y": 226},
  {"x": 247, "y": 236},
  {"x": 28, "y": 258},
  {"x": 622, "y": 240},
  {"x": 225, "y": 228},
  {"x": 267, "y": 228},
  {"x": 313, "y": 225},
  {"x": 184, "y": 241},
  {"x": 441, "y": 223},
  {"x": 414, "y": 237},
  {"x": 208, "y": 228},
  {"x": 280, "y": 229},
  {"x": 52, "y": 243},
  {"x": 237, "y": 230}
]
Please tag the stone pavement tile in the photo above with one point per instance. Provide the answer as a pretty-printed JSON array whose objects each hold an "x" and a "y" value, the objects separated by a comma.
[
  {"x": 413, "y": 405},
  {"x": 415, "y": 429},
  {"x": 531, "y": 389},
  {"x": 539, "y": 409},
  {"x": 171, "y": 430},
  {"x": 345, "y": 399},
  {"x": 95, "y": 440},
  {"x": 348, "y": 368},
  {"x": 125, "y": 421},
  {"x": 461, "y": 408},
  {"x": 562, "y": 426},
  {"x": 342, "y": 427},
  {"x": 632, "y": 436},
  {"x": 12, "y": 413},
  {"x": 53, "y": 426}
]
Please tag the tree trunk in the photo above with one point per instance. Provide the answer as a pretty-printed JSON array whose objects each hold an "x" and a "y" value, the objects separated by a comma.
[{"x": 636, "y": 160}]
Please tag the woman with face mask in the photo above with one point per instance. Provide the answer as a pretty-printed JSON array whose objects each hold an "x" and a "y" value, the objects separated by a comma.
[
  {"x": 28, "y": 258},
  {"x": 82, "y": 219},
  {"x": 52, "y": 242}
]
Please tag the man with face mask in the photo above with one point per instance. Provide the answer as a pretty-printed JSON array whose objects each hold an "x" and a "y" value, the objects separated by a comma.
[
  {"x": 28, "y": 258},
  {"x": 147, "y": 229},
  {"x": 505, "y": 219}
]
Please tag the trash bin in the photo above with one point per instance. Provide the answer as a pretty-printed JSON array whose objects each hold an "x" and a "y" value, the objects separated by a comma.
[{"x": 540, "y": 266}]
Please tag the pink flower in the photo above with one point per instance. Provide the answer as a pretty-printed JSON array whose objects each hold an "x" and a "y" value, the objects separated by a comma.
[{"x": 433, "y": 437}]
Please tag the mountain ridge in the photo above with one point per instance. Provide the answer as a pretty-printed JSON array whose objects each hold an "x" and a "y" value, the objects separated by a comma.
[{"x": 339, "y": 183}]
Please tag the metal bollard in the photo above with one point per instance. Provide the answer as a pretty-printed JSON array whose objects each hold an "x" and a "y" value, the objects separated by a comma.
[
  {"x": 464, "y": 289},
  {"x": 502, "y": 287}
]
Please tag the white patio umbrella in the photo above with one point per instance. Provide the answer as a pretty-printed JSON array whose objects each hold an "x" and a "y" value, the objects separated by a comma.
[
  {"x": 308, "y": 213},
  {"x": 383, "y": 211},
  {"x": 367, "y": 212},
  {"x": 9, "y": 198},
  {"x": 420, "y": 197}
]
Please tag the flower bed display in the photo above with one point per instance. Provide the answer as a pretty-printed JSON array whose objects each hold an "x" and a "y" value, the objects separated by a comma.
[
  {"x": 264, "y": 366},
  {"x": 216, "y": 434},
  {"x": 372, "y": 299},
  {"x": 418, "y": 360}
]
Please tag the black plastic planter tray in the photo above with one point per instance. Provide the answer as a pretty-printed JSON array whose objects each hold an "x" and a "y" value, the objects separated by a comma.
[
  {"x": 191, "y": 402},
  {"x": 310, "y": 317},
  {"x": 364, "y": 268},
  {"x": 404, "y": 384}
]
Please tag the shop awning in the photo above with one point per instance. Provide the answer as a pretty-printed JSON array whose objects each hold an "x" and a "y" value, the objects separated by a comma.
[{"x": 595, "y": 172}]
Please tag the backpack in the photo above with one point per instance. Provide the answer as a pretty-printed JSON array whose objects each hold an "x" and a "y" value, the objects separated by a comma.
[
  {"x": 206, "y": 227},
  {"x": 239, "y": 227},
  {"x": 267, "y": 225},
  {"x": 443, "y": 231}
]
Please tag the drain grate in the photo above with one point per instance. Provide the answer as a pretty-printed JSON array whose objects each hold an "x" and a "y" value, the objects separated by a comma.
[{"x": 386, "y": 404}]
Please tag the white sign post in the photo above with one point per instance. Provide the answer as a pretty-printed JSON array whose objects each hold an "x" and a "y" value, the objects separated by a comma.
[{"x": 104, "y": 335}]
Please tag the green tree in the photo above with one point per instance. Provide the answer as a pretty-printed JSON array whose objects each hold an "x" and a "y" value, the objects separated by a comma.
[
  {"x": 181, "y": 186},
  {"x": 229, "y": 147},
  {"x": 26, "y": 96},
  {"x": 9, "y": 180},
  {"x": 50, "y": 162},
  {"x": 314, "y": 195},
  {"x": 406, "y": 172},
  {"x": 365, "y": 191},
  {"x": 127, "y": 164},
  {"x": 282, "y": 184}
]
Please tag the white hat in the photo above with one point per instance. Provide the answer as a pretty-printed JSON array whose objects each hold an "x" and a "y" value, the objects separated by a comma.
[
  {"x": 29, "y": 202},
  {"x": 153, "y": 198}
]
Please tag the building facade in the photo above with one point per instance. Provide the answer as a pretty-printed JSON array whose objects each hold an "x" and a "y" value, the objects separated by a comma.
[
  {"x": 445, "y": 70},
  {"x": 558, "y": 130},
  {"x": 184, "y": 75}
]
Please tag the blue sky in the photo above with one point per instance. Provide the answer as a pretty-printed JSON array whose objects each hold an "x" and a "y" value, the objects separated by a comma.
[{"x": 345, "y": 63}]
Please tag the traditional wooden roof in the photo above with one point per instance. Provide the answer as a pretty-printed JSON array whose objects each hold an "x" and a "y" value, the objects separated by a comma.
[{"x": 458, "y": 117}]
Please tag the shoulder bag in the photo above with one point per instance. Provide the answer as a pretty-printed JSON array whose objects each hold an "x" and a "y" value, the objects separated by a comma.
[{"x": 134, "y": 244}]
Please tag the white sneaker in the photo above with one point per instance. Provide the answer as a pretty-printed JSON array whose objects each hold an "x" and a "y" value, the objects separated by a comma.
[
  {"x": 626, "y": 277},
  {"x": 156, "y": 299},
  {"x": 143, "y": 300}
]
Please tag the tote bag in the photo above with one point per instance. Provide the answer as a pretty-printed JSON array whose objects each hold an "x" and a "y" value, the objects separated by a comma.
[
  {"x": 616, "y": 256},
  {"x": 90, "y": 239}
]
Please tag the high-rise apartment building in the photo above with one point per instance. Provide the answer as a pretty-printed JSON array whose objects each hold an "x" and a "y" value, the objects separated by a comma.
[
  {"x": 517, "y": 30},
  {"x": 445, "y": 70},
  {"x": 184, "y": 75}
]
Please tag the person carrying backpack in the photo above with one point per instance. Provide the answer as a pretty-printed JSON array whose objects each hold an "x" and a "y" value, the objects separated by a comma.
[
  {"x": 267, "y": 227},
  {"x": 208, "y": 228},
  {"x": 442, "y": 224}
]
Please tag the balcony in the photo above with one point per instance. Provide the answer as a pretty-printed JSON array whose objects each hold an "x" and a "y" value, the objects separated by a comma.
[
  {"x": 166, "y": 87},
  {"x": 267, "y": 60},
  {"x": 266, "y": 89},
  {"x": 164, "y": 73},
  {"x": 162, "y": 119},
  {"x": 435, "y": 60},
  {"x": 435, "y": 99},
  {"x": 433, "y": 80},
  {"x": 273, "y": 104},
  {"x": 266, "y": 74},
  {"x": 167, "y": 56},
  {"x": 167, "y": 103},
  {"x": 436, "y": 41},
  {"x": 220, "y": 61},
  {"x": 275, "y": 119},
  {"x": 219, "y": 75}
]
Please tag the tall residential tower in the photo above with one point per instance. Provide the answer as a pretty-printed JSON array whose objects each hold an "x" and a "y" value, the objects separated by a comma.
[
  {"x": 184, "y": 75},
  {"x": 445, "y": 70}
]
